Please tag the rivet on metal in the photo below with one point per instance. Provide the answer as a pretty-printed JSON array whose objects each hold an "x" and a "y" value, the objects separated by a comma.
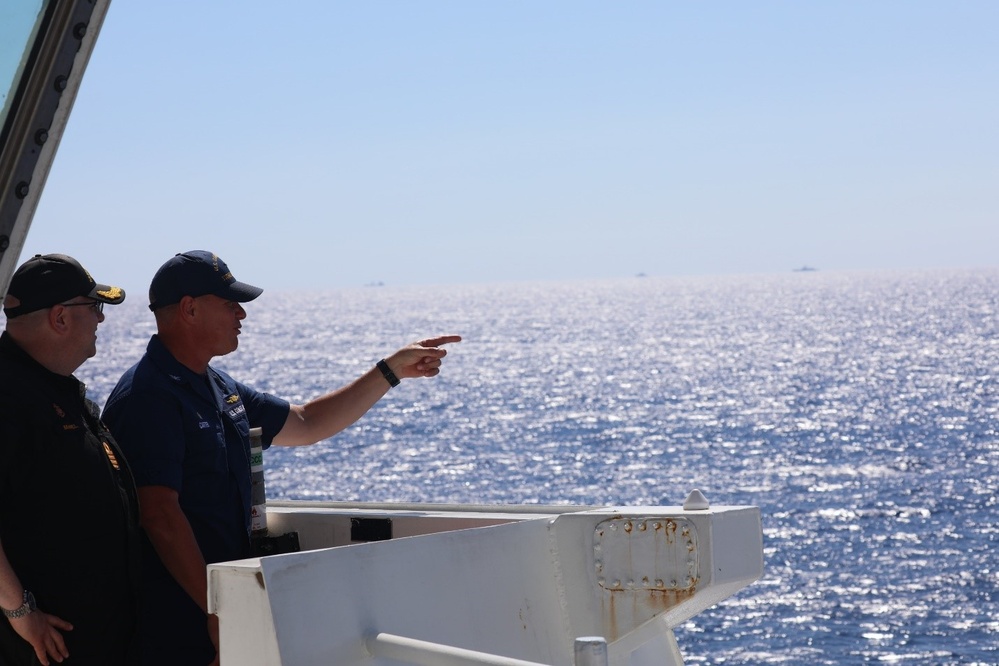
[
  {"x": 60, "y": 83},
  {"x": 80, "y": 30},
  {"x": 41, "y": 136},
  {"x": 21, "y": 190}
]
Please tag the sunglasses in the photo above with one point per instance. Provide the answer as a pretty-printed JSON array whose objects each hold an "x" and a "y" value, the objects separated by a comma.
[{"x": 98, "y": 306}]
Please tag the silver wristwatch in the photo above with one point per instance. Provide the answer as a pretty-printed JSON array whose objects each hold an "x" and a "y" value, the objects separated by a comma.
[{"x": 27, "y": 607}]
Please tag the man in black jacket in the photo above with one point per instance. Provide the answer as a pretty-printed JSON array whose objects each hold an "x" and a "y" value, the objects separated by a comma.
[{"x": 68, "y": 508}]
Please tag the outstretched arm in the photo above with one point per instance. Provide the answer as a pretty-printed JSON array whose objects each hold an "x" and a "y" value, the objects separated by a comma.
[
  {"x": 38, "y": 628},
  {"x": 329, "y": 414}
]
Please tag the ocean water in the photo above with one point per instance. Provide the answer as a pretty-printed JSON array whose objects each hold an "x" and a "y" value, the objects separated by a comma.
[{"x": 857, "y": 410}]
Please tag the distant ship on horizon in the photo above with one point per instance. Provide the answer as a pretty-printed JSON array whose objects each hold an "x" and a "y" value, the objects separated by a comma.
[{"x": 805, "y": 269}]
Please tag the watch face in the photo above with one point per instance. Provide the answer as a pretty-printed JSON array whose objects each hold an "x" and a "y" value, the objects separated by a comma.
[{"x": 29, "y": 600}]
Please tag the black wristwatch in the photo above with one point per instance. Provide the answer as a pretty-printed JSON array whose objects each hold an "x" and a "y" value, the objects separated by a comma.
[{"x": 27, "y": 607}]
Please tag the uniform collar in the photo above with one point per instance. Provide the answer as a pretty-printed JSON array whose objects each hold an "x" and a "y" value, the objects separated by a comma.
[{"x": 209, "y": 387}]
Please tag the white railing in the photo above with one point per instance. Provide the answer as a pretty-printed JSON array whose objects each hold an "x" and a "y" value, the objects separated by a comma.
[{"x": 589, "y": 651}]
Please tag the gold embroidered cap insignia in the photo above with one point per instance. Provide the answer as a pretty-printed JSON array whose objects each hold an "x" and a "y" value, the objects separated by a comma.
[{"x": 112, "y": 293}]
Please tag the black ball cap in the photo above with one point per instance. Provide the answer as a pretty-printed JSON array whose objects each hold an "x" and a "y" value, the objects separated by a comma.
[{"x": 50, "y": 279}]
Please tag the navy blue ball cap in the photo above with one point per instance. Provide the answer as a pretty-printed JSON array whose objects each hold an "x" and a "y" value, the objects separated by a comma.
[
  {"x": 197, "y": 273},
  {"x": 50, "y": 279}
]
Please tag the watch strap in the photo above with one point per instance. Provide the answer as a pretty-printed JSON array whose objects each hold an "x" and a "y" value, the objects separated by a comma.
[
  {"x": 387, "y": 373},
  {"x": 27, "y": 606}
]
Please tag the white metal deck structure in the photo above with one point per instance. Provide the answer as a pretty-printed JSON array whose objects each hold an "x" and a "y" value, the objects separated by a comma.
[{"x": 486, "y": 585}]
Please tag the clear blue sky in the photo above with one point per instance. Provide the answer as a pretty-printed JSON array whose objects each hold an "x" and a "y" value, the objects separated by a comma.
[{"x": 320, "y": 143}]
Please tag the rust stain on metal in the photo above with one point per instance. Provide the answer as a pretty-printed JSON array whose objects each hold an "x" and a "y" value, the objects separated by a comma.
[
  {"x": 640, "y": 606},
  {"x": 670, "y": 531}
]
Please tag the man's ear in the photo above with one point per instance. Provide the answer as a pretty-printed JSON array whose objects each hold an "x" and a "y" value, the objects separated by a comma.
[
  {"x": 59, "y": 318},
  {"x": 187, "y": 308}
]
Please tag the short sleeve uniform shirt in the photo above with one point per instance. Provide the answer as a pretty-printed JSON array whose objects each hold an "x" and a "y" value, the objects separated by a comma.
[{"x": 191, "y": 433}]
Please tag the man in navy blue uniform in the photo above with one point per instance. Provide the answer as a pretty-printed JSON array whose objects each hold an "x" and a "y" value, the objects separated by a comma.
[
  {"x": 185, "y": 427},
  {"x": 69, "y": 518}
]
